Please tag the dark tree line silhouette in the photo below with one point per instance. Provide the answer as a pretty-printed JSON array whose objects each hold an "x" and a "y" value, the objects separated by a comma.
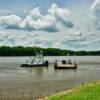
[{"x": 30, "y": 51}]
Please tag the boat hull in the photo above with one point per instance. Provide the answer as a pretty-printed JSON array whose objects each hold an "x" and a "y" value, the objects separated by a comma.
[
  {"x": 65, "y": 67},
  {"x": 35, "y": 65},
  {"x": 45, "y": 64}
]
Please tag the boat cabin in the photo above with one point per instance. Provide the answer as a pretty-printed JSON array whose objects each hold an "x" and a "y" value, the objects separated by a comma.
[{"x": 37, "y": 60}]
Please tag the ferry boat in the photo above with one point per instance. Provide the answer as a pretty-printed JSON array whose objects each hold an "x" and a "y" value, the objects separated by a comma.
[
  {"x": 64, "y": 64},
  {"x": 36, "y": 61}
]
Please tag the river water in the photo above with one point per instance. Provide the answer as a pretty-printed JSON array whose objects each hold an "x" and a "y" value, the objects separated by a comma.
[{"x": 45, "y": 81}]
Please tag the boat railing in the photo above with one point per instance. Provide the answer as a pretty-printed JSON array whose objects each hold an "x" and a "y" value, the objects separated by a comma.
[{"x": 37, "y": 59}]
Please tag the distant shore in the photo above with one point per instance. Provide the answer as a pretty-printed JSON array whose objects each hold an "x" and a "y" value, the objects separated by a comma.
[{"x": 30, "y": 51}]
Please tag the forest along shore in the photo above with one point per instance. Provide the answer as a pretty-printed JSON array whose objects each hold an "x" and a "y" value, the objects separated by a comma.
[{"x": 30, "y": 51}]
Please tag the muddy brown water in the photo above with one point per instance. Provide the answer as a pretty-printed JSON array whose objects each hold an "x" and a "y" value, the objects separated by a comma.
[{"x": 18, "y": 83}]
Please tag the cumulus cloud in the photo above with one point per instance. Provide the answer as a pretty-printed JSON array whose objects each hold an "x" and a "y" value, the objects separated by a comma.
[
  {"x": 11, "y": 21},
  {"x": 37, "y": 21},
  {"x": 61, "y": 15},
  {"x": 96, "y": 14},
  {"x": 35, "y": 12}
]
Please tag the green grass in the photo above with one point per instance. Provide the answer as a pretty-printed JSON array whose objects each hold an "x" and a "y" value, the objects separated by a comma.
[{"x": 89, "y": 91}]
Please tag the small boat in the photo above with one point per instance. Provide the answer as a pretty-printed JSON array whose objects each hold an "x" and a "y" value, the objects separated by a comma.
[
  {"x": 36, "y": 61},
  {"x": 65, "y": 64}
]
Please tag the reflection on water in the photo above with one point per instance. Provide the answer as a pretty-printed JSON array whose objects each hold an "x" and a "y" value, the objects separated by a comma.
[{"x": 13, "y": 74}]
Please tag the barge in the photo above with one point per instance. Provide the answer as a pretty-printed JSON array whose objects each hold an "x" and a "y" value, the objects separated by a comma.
[{"x": 65, "y": 64}]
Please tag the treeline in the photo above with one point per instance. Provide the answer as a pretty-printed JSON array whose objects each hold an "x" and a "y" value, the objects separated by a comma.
[{"x": 30, "y": 51}]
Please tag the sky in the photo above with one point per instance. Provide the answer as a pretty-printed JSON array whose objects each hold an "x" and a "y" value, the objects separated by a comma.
[{"x": 64, "y": 24}]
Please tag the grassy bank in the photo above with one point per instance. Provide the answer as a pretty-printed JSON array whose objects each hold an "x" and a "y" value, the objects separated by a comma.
[{"x": 90, "y": 91}]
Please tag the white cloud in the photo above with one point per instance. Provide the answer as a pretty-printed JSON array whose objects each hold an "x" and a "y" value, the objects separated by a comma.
[
  {"x": 62, "y": 13},
  {"x": 35, "y": 12},
  {"x": 24, "y": 38},
  {"x": 96, "y": 2},
  {"x": 74, "y": 37},
  {"x": 37, "y": 21},
  {"x": 11, "y": 21},
  {"x": 96, "y": 14},
  {"x": 27, "y": 23},
  {"x": 47, "y": 23}
]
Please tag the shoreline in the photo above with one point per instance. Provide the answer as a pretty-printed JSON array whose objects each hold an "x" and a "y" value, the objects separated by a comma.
[
  {"x": 75, "y": 90},
  {"x": 29, "y": 92}
]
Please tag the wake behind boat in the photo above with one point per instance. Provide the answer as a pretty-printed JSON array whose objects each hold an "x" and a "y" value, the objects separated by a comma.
[{"x": 36, "y": 61}]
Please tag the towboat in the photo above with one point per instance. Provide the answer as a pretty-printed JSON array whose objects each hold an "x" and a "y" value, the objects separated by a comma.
[
  {"x": 36, "y": 61},
  {"x": 65, "y": 64}
]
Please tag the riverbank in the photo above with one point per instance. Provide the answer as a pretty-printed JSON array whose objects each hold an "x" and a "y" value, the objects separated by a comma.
[{"x": 89, "y": 91}]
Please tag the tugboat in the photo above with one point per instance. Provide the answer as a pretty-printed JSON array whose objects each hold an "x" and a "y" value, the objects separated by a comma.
[
  {"x": 36, "y": 61},
  {"x": 65, "y": 64}
]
